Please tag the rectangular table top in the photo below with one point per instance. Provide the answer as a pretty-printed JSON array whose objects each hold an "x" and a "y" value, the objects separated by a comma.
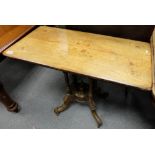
[
  {"x": 114, "y": 59},
  {"x": 9, "y": 34}
]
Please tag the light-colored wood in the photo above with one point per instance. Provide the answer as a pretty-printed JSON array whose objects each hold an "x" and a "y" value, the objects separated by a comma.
[
  {"x": 119, "y": 60},
  {"x": 153, "y": 62}
]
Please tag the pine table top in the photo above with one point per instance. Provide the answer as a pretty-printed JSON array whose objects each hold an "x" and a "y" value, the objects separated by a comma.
[{"x": 114, "y": 59}]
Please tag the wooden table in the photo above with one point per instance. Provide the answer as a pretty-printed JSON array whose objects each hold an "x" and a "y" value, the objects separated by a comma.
[
  {"x": 104, "y": 57},
  {"x": 118, "y": 60},
  {"x": 9, "y": 34}
]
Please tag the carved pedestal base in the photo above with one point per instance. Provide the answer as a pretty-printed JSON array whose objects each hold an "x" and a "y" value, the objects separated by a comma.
[
  {"x": 7, "y": 101},
  {"x": 79, "y": 93}
]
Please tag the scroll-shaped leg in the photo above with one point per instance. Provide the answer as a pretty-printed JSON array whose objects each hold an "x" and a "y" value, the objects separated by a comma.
[
  {"x": 67, "y": 99},
  {"x": 66, "y": 103},
  {"x": 7, "y": 101},
  {"x": 94, "y": 113},
  {"x": 92, "y": 104}
]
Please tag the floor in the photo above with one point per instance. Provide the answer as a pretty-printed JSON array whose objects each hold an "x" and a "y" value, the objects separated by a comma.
[{"x": 38, "y": 90}]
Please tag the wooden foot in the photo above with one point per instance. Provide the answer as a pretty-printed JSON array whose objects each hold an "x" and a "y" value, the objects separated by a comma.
[
  {"x": 97, "y": 118},
  {"x": 66, "y": 103},
  {"x": 7, "y": 101}
]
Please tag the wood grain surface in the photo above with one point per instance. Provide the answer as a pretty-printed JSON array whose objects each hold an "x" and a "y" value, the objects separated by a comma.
[
  {"x": 114, "y": 59},
  {"x": 11, "y": 33}
]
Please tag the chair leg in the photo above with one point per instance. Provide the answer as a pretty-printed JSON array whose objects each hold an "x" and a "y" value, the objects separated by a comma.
[{"x": 11, "y": 105}]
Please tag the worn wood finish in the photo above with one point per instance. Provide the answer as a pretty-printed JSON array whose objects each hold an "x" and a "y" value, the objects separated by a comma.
[
  {"x": 120, "y": 60},
  {"x": 11, "y": 33},
  {"x": 153, "y": 61},
  {"x": 6, "y": 28}
]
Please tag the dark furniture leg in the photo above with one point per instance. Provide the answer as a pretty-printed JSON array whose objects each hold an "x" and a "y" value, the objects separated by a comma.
[
  {"x": 78, "y": 92},
  {"x": 7, "y": 101},
  {"x": 67, "y": 98},
  {"x": 92, "y": 104}
]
